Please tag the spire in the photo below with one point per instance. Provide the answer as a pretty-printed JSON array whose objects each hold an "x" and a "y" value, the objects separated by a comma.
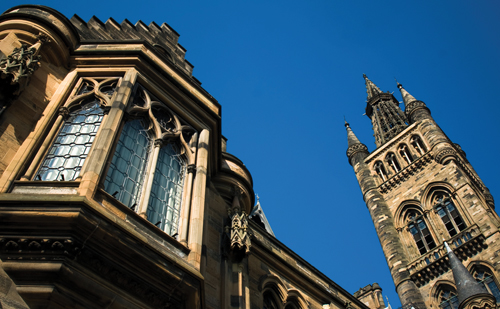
[
  {"x": 467, "y": 286},
  {"x": 353, "y": 144},
  {"x": 388, "y": 120},
  {"x": 371, "y": 88},
  {"x": 351, "y": 137},
  {"x": 407, "y": 98}
]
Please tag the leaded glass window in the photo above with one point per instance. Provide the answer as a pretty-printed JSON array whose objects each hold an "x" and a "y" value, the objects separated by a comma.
[
  {"x": 72, "y": 145},
  {"x": 449, "y": 214},
  {"x": 149, "y": 166},
  {"x": 448, "y": 299},
  {"x": 487, "y": 280},
  {"x": 421, "y": 234},
  {"x": 166, "y": 192},
  {"x": 126, "y": 172}
]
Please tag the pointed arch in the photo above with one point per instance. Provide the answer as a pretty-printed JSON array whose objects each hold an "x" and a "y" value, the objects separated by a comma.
[
  {"x": 403, "y": 208},
  {"x": 440, "y": 198},
  {"x": 272, "y": 285},
  {"x": 484, "y": 273},
  {"x": 295, "y": 300},
  {"x": 444, "y": 295}
]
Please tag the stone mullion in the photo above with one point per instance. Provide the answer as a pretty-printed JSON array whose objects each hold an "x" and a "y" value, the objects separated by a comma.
[
  {"x": 97, "y": 159},
  {"x": 148, "y": 179},
  {"x": 186, "y": 207}
]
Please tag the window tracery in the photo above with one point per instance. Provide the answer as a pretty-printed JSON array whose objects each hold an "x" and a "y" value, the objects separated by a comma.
[
  {"x": 420, "y": 232},
  {"x": 448, "y": 298},
  {"x": 449, "y": 214},
  {"x": 69, "y": 150},
  {"x": 149, "y": 165},
  {"x": 484, "y": 276}
]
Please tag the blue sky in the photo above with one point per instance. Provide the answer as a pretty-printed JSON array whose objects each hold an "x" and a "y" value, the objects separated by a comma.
[{"x": 287, "y": 72}]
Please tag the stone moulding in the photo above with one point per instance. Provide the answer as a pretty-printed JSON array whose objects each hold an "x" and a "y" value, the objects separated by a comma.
[
  {"x": 38, "y": 248},
  {"x": 428, "y": 267},
  {"x": 410, "y": 170}
]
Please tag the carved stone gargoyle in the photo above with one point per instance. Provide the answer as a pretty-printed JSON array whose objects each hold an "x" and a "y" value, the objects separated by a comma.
[
  {"x": 237, "y": 233},
  {"x": 16, "y": 70}
]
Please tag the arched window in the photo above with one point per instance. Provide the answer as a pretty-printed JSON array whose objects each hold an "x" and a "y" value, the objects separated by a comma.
[
  {"x": 418, "y": 144},
  {"x": 393, "y": 162},
  {"x": 449, "y": 214},
  {"x": 70, "y": 148},
  {"x": 405, "y": 154},
  {"x": 380, "y": 170},
  {"x": 270, "y": 301},
  {"x": 448, "y": 298},
  {"x": 126, "y": 172},
  {"x": 148, "y": 168},
  {"x": 484, "y": 275},
  {"x": 421, "y": 234}
]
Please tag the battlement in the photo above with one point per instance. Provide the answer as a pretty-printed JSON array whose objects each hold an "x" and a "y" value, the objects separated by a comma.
[{"x": 163, "y": 38}]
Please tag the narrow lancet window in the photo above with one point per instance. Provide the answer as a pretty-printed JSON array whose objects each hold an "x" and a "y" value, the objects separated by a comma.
[
  {"x": 405, "y": 154},
  {"x": 419, "y": 146},
  {"x": 380, "y": 170},
  {"x": 393, "y": 162},
  {"x": 485, "y": 277},
  {"x": 72, "y": 145}
]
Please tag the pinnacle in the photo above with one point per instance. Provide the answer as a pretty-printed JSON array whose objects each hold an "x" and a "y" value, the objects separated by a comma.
[{"x": 371, "y": 88}]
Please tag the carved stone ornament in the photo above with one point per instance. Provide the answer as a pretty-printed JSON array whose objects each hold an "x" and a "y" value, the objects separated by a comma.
[
  {"x": 481, "y": 301},
  {"x": 355, "y": 149},
  {"x": 237, "y": 231},
  {"x": 412, "y": 106},
  {"x": 17, "y": 68},
  {"x": 443, "y": 155}
]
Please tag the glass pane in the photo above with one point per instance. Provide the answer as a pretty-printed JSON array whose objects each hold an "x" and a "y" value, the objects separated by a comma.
[
  {"x": 70, "y": 149},
  {"x": 126, "y": 171},
  {"x": 166, "y": 193}
]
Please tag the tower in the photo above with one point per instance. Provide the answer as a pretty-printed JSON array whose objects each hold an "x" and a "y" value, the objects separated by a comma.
[{"x": 421, "y": 190}]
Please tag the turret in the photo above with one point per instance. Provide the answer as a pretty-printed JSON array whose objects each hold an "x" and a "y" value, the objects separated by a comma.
[
  {"x": 383, "y": 220},
  {"x": 356, "y": 151},
  {"x": 415, "y": 110}
]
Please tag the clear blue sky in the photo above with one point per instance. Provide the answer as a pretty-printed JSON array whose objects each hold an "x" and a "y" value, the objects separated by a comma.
[{"x": 286, "y": 73}]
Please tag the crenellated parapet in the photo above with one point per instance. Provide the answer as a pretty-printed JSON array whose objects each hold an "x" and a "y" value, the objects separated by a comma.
[{"x": 162, "y": 38}]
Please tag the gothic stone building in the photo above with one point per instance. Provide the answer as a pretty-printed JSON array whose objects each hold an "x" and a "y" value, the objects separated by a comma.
[
  {"x": 421, "y": 191},
  {"x": 116, "y": 190}
]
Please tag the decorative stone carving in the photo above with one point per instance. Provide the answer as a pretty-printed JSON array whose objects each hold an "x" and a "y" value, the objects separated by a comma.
[
  {"x": 38, "y": 248},
  {"x": 445, "y": 154},
  {"x": 355, "y": 149},
  {"x": 413, "y": 106},
  {"x": 16, "y": 70},
  {"x": 237, "y": 231}
]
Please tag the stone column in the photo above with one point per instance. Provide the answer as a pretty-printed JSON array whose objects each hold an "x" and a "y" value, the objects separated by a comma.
[{"x": 195, "y": 237}]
